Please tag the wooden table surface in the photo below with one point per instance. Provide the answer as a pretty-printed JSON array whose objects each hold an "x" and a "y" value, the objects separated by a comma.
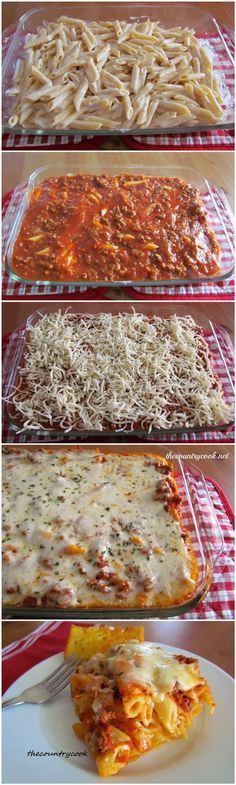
[
  {"x": 11, "y": 12},
  {"x": 215, "y": 461},
  {"x": 217, "y": 167},
  {"x": 212, "y": 640}
]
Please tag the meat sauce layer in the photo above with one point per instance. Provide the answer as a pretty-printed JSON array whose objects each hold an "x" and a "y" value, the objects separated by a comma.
[{"x": 101, "y": 228}]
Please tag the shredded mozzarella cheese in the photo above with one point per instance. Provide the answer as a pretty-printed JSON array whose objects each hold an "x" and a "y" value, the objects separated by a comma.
[{"x": 122, "y": 372}]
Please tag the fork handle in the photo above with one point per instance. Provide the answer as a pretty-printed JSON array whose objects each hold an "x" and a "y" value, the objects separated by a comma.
[{"x": 12, "y": 702}]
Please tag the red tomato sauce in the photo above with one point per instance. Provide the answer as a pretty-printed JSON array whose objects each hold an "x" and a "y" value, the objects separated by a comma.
[{"x": 128, "y": 227}]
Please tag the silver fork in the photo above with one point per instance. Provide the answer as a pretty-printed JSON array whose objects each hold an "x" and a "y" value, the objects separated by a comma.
[{"x": 48, "y": 688}]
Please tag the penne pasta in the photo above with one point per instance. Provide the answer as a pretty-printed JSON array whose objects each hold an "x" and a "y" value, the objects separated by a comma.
[
  {"x": 135, "y": 60},
  {"x": 132, "y": 697}
]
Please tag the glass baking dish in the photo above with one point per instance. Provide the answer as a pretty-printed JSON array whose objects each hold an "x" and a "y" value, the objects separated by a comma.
[
  {"x": 185, "y": 14},
  {"x": 208, "y": 194},
  {"x": 216, "y": 335},
  {"x": 199, "y": 517}
]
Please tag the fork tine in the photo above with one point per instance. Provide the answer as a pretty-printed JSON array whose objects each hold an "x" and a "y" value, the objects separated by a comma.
[
  {"x": 66, "y": 665},
  {"x": 59, "y": 686},
  {"x": 59, "y": 678}
]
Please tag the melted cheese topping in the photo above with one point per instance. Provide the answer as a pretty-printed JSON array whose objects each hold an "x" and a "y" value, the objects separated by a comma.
[
  {"x": 147, "y": 665},
  {"x": 83, "y": 529}
]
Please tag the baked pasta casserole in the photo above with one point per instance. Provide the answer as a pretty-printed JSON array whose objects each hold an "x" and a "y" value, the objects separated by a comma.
[
  {"x": 84, "y": 529},
  {"x": 134, "y": 697}
]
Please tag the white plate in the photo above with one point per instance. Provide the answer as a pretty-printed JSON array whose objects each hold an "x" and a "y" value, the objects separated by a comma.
[{"x": 205, "y": 757}]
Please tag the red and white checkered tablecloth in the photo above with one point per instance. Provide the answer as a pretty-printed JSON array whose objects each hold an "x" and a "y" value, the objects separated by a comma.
[
  {"x": 223, "y": 290},
  {"x": 10, "y": 347},
  {"x": 29, "y": 142},
  {"x": 214, "y": 522},
  {"x": 48, "y": 639},
  {"x": 207, "y": 140},
  {"x": 198, "y": 140}
]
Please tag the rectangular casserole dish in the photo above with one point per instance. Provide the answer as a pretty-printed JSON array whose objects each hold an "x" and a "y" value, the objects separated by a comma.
[
  {"x": 208, "y": 194},
  {"x": 217, "y": 338},
  {"x": 186, "y": 15},
  {"x": 205, "y": 537}
]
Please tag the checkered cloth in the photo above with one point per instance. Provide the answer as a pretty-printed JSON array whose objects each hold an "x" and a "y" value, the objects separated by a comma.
[
  {"x": 220, "y": 216},
  {"x": 215, "y": 521},
  {"x": 198, "y": 140},
  {"x": 209, "y": 140},
  {"x": 223, "y": 290},
  {"x": 11, "y": 346},
  {"x": 26, "y": 141}
]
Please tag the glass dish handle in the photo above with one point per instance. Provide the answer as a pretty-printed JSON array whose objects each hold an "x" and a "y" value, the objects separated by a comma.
[
  {"x": 227, "y": 334},
  {"x": 216, "y": 546},
  {"x": 217, "y": 541},
  {"x": 222, "y": 194},
  {"x": 9, "y": 32},
  {"x": 220, "y": 29},
  {"x": 228, "y": 345}
]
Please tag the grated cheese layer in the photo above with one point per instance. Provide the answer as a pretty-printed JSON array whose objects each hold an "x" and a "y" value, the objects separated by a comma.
[{"x": 120, "y": 372}]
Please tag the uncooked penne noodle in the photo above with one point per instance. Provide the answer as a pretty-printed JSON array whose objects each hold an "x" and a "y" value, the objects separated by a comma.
[
  {"x": 142, "y": 115},
  {"x": 216, "y": 88},
  {"x": 117, "y": 27},
  {"x": 189, "y": 89},
  {"x": 143, "y": 74},
  {"x": 167, "y": 73},
  {"x": 103, "y": 55},
  {"x": 215, "y": 107},
  {"x": 41, "y": 77},
  {"x": 128, "y": 107},
  {"x": 204, "y": 114},
  {"x": 87, "y": 41},
  {"x": 113, "y": 80},
  {"x": 81, "y": 92},
  {"x": 202, "y": 96},
  {"x": 196, "y": 64},
  {"x": 97, "y": 119},
  {"x": 25, "y": 114},
  {"x": 151, "y": 110},
  {"x": 174, "y": 106},
  {"x": 125, "y": 33},
  {"x": 13, "y": 91},
  {"x": 167, "y": 119},
  {"x": 205, "y": 59},
  {"x": 209, "y": 79},
  {"x": 13, "y": 120},
  {"x": 35, "y": 95},
  {"x": 125, "y": 69},
  {"x": 89, "y": 34},
  {"x": 92, "y": 72},
  {"x": 61, "y": 100},
  {"x": 30, "y": 57}
]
